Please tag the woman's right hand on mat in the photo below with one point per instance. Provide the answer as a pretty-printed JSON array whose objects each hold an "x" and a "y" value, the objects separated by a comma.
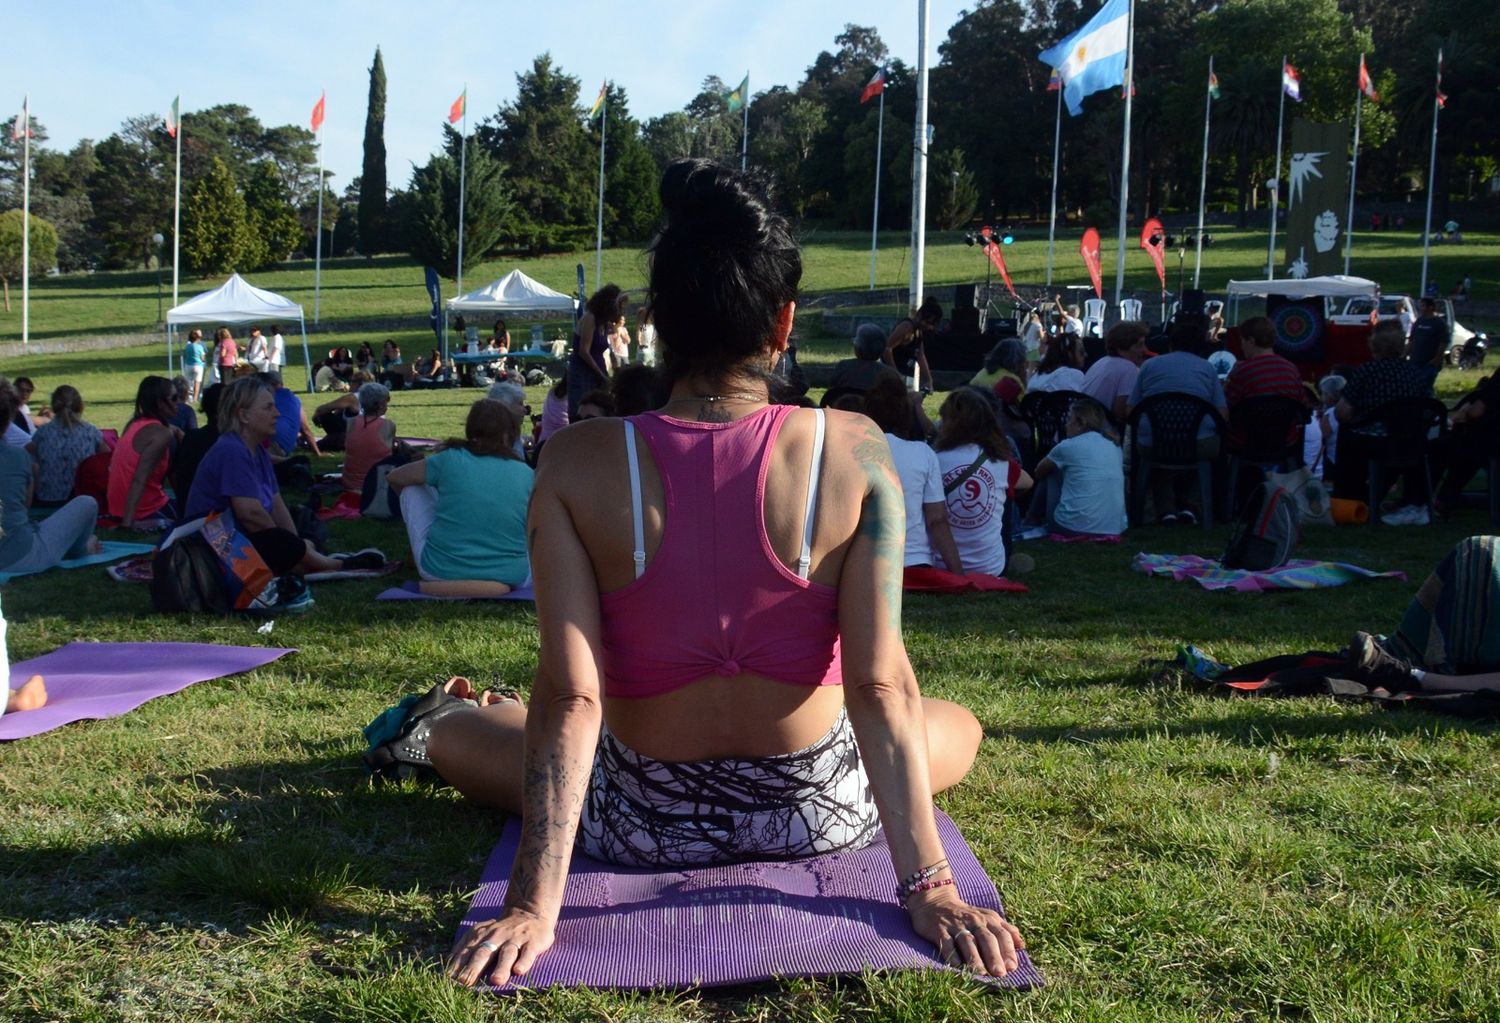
[
  {"x": 495, "y": 951},
  {"x": 965, "y": 935}
]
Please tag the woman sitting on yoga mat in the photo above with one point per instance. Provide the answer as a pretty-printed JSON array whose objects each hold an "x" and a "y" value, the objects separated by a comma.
[
  {"x": 722, "y": 676},
  {"x": 237, "y": 475},
  {"x": 464, "y": 507}
]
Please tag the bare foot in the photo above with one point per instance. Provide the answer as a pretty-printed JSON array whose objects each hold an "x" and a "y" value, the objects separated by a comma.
[
  {"x": 460, "y": 687},
  {"x": 95, "y": 545},
  {"x": 29, "y": 697}
]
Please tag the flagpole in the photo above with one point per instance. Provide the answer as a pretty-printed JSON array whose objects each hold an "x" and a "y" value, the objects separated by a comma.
[
  {"x": 745, "y": 125},
  {"x": 1208, "y": 103},
  {"x": 875, "y": 216},
  {"x": 919, "y": 163},
  {"x": 177, "y": 207},
  {"x": 599, "y": 223},
  {"x": 1125, "y": 151},
  {"x": 318, "y": 245},
  {"x": 463, "y": 179},
  {"x": 1276, "y": 177},
  {"x": 1431, "y": 172},
  {"x": 26, "y": 223},
  {"x": 1056, "y": 152}
]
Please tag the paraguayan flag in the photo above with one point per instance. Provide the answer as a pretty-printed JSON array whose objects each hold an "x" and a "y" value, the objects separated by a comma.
[{"x": 1092, "y": 58}]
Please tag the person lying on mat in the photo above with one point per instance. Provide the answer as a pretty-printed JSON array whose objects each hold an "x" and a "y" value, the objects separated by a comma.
[
  {"x": 236, "y": 475},
  {"x": 464, "y": 507},
  {"x": 1449, "y": 638},
  {"x": 702, "y": 567}
]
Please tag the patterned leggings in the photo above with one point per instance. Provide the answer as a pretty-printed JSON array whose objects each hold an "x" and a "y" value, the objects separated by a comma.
[{"x": 652, "y": 813}]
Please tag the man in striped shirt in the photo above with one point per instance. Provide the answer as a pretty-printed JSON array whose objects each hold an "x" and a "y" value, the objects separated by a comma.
[{"x": 1261, "y": 373}]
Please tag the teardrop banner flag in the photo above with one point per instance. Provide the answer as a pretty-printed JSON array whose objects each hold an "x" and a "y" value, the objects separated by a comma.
[
  {"x": 992, "y": 249},
  {"x": 1089, "y": 249},
  {"x": 1154, "y": 241}
]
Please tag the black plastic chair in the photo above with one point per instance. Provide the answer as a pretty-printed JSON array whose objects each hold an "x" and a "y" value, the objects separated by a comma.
[
  {"x": 1047, "y": 411},
  {"x": 1410, "y": 425},
  {"x": 1174, "y": 420},
  {"x": 1270, "y": 440}
]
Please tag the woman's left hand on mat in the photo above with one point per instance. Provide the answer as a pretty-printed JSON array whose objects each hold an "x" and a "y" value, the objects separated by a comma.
[
  {"x": 498, "y": 950},
  {"x": 966, "y": 935}
]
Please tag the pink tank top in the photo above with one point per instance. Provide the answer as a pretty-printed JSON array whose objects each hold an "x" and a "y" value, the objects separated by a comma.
[
  {"x": 363, "y": 447},
  {"x": 716, "y": 599},
  {"x": 123, "y": 463}
]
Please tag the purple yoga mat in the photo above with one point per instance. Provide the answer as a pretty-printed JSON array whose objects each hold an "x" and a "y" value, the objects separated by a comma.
[
  {"x": 410, "y": 590},
  {"x": 623, "y": 927},
  {"x": 104, "y": 680}
]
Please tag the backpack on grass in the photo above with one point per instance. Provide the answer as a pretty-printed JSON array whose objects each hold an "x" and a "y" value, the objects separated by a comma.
[
  {"x": 1267, "y": 530},
  {"x": 208, "y": 565}
]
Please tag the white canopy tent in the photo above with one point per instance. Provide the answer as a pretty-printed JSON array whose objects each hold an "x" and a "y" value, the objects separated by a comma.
[
  {"x": 514, "y": 293},
  {"x": 237, "y": 301},
  {"x": 1333, "y": 286}
]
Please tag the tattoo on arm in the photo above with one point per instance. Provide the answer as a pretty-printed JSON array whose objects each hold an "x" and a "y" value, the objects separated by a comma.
[{"x": 883, "y": 520}]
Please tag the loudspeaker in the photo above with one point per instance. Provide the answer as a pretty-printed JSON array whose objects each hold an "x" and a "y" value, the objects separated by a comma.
[
  {"x": 1193, "y": 300},
  {"x": 1000, "y": 327},
  {"x": 965, "y": 320},
  {"x": 965, "y": 296}
]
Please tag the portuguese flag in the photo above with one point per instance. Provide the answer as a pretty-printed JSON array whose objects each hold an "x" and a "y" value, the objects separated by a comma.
[
  {"x": 174, "y": 118},
  {"x": 456, "y": 111}
]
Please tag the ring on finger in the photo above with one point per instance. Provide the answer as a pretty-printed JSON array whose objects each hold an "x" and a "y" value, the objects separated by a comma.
[
  {"x": 490, "y": 946},
  {"x": 961, "y": 930}
]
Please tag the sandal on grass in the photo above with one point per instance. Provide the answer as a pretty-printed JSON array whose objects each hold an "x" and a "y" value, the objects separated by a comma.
[{"x": 398, "y": 736}]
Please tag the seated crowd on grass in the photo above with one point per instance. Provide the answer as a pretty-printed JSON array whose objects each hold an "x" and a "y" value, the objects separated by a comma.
[{"x": 672, "y": 514}]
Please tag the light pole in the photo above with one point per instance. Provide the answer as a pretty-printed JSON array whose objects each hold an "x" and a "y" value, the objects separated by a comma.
[{"x": 157, "y": 240}]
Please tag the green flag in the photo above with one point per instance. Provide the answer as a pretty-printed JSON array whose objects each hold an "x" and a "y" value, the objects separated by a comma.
[{"x": 735, "y": 99}]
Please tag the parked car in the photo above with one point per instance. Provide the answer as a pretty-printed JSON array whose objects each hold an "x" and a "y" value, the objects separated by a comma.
[{"x": 1357, "y": 311}]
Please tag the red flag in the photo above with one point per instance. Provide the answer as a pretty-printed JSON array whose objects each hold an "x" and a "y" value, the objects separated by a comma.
[
  {"x": 456, "y": 111},
  {"x": 1154, "y": 241},
  {"x": 992, "y": 249},
  {"x": 317, "y": 114},
  {"x": 1366, "y": 86},
  {"x": 1442, "y": 97},
  {"x": 1089, "y": 249},
  {"x": 874, "y": 87}
]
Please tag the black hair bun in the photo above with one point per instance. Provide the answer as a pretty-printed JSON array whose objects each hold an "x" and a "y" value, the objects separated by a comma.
[{"x": 704, "y": 199}]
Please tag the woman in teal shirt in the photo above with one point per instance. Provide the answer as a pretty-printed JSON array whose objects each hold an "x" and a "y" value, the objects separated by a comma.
[
  {"x": 465, "y": 508},
  {"x": 194, "y": 355}
]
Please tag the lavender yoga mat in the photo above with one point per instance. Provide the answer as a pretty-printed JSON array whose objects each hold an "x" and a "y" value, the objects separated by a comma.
[
  {"x": 410, "y": 590},
  {"x": 623, "y": 927},
  {"x": 104, "y": 680}
]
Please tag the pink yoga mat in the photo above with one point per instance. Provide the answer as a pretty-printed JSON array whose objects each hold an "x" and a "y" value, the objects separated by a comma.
[
  {"x": 104, "y": 680},
  {"x": 638, "y": 929}
]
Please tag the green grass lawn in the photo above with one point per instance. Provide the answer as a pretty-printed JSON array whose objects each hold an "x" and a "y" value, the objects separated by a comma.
[
  {"x": 1170, "y": 854},
  {"x": 357, "y": 289}
]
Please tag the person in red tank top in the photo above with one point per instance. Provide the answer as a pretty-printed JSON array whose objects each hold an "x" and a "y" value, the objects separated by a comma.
[
  {"x": 139, "y": 461},
  {"x": 718, "y": 588}
]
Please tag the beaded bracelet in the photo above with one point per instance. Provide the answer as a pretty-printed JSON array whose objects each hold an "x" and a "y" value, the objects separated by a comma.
[
  {"x": 905, "y": 892},
  {"x": 924, "y": 874}
]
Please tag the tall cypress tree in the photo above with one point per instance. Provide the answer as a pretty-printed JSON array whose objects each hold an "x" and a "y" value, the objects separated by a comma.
[{"x": 372, "y": 197}]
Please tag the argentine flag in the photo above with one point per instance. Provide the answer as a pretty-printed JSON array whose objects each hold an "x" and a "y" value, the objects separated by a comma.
[{"x": 1092, "y": 58}]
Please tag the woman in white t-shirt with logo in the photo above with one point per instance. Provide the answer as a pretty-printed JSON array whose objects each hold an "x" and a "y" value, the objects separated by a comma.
[
  {"x": 980, "y": 473},
  {"x": 890, "y": 405}
]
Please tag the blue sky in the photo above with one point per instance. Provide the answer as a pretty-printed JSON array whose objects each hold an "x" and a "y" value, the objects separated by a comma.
[{"x": 89, "y": 65}]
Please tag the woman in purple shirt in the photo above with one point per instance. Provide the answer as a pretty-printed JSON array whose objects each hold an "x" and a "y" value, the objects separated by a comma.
[
  {"x": 605, "y": 314},
  {"x": 236, "y": 475}
]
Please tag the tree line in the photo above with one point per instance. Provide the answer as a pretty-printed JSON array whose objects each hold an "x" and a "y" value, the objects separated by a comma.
[{"x": 250, "y": 191}]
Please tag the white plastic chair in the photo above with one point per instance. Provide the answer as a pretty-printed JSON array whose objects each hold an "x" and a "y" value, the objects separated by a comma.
[{"x": 1130, "y": 309}]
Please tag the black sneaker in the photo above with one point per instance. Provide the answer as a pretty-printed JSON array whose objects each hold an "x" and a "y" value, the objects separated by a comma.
[
  {"x": 362, "y": 561},
  {"x": 293, "y": 595},
  {"x": 1372, "y": 665}
]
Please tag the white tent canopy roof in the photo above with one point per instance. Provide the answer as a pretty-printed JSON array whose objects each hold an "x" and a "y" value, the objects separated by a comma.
[
  {"x": 1332, "y": 286},
  {"x": 513, "y": 293},
  {"x": 235, "y": 301}
]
